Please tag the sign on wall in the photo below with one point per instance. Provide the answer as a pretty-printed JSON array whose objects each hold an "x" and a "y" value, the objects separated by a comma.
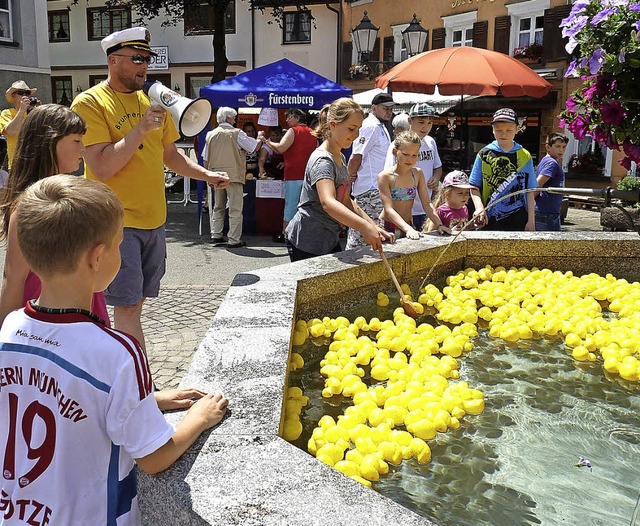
[{"x": 161, "y": 61}]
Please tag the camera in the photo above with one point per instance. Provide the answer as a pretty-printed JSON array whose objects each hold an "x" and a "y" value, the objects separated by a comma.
[{"x": 33, "y": 101}]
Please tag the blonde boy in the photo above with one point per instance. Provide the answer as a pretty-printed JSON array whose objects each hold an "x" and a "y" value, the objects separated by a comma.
[{"x": 76, "y": 398}]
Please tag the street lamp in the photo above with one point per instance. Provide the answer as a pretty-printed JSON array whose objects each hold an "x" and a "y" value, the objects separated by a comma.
[
  {"x": 415, "y": 37},
  {"x": 364, "y": 37}
]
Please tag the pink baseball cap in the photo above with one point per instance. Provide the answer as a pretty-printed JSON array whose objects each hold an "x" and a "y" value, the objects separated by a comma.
[{"x": 457, "y": 179}]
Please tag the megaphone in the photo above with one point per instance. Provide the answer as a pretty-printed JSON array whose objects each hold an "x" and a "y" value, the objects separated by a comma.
[{"x": 189, "y": 116}]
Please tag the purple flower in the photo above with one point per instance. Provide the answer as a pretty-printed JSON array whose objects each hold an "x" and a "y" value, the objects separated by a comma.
[
  {"x": 625, "y": 162},
  {"x": 562, "y": 123},
  {"x": 579, "y": 126},
  {"x": 573, "y": 25},
  {"x": 636, "y": 26},
  {"x": 612, "y": 112},
  {"x": 622, "y": 56},
  {"x": 579, "y": 6},
  {"x": 571, "y": 45},
  {"x": 631, "y": 150},
  {"x": 602, "y": 15},
  {"x": 611, "y": 143},
  {"x": 604, "y": 84},
  {"x": 572, "y": 70},
  {"x": 571, "y": 104},
  {"x": 634, "y": 7},
  {"x": 590, "y": 92},
  {"x": 598, "y": 134},
  {"x": 596, "y": 61}
]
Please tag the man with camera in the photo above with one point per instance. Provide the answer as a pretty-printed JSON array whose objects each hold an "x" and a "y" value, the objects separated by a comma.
[{"x": 21, "y": 97}]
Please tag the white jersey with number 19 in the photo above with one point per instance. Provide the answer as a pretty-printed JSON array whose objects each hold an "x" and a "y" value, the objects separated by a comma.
[{"x": 76, "y": 406}]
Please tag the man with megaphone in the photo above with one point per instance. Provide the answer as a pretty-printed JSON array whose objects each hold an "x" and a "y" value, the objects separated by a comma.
[{"x": 128, "y": 142}]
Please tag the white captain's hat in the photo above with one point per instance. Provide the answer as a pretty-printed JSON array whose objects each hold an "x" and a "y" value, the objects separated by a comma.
[{"x": 135, "y": 37}]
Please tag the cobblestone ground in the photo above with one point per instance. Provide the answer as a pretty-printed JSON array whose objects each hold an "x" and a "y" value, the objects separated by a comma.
[{"x": 174, "y": 324}]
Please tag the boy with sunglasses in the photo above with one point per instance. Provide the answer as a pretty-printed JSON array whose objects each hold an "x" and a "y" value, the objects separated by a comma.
[
  {"x": 19, "y": 95},
  {"x": 128, "y": 142}
]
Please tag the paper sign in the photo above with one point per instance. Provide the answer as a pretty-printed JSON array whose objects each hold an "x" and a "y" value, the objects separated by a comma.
[{"x": 270, "y": 189}]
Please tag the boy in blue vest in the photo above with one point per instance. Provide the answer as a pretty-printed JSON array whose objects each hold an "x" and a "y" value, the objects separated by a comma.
[
  {"x": 502, "y": 168},
  {"x": 550, "y": 173}
]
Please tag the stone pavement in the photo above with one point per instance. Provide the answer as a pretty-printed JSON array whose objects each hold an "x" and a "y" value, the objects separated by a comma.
[{"x": 175, "y": 323}]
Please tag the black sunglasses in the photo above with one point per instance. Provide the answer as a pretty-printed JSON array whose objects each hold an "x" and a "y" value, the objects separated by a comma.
[
  {"x": 22, "y": 93},
  {"x": 136, "y": 59}
]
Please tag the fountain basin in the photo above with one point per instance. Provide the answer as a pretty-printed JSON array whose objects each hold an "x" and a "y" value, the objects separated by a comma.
[{"x": 242, "y": 472}]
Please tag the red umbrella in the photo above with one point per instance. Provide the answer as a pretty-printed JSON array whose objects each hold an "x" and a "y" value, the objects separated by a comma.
[{"x": 464, "y": 71}]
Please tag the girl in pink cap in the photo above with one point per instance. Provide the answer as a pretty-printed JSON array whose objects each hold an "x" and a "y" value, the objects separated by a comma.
[{"x": 451, "y": 203}]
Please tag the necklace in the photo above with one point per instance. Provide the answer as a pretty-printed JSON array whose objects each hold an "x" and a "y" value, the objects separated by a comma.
[
  {"x": 49, "y": 310},
  {"x": 125, "y": 109}
]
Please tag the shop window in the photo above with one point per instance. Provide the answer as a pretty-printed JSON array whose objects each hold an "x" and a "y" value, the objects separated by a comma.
[
  {"x": 102, "y": 21},
  {"x": 297, "y": 27},
  {"x": 62, "y": 90},
  {"x": 59, "y": 26},
  {"x": 200, "y": 20},
  {"x": 6, "y": 23}
]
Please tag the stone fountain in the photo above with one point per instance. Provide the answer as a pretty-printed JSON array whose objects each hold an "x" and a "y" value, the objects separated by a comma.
[{"x": 242, "y": 472}]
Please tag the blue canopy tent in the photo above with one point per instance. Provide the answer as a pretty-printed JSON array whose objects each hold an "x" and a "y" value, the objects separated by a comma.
[{"x": 281, "y": 84}]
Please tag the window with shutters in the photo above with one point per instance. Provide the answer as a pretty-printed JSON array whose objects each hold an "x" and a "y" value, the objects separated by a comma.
[
  {"x": 459, "y": 29},
  {"x": 527, "y": 23}
]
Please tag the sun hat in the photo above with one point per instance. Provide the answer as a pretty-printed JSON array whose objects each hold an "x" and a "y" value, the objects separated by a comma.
[
  {"x": 383, "y": 98},
  {"x": 505, "y": 115},
  {"x": 422, "y": 109},
  {"x": 135, "y": 37},
  {"x": 18, "y": 85},
  {"x": 456, "y": 179}
]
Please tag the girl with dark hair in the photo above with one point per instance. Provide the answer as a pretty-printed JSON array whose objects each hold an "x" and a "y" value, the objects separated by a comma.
[{"x": 49, "y": 143}]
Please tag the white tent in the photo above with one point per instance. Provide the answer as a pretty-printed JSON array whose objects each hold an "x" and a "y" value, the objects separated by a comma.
[{"x": 442, "y": 103}]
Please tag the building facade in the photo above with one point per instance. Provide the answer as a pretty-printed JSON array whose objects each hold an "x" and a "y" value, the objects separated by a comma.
[
  {"x": 24, "y": 48},
  {"x": 185, "y": 51},
  {"x": 513, "y": 27}
]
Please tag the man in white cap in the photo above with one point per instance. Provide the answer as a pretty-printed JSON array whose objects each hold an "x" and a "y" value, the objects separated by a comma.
[
  {"x": 19, "y": 96},
  {"x": 128, "y": 142},
  {"x": 367, "y": 161},
  {"x": 421, "y": 117}
]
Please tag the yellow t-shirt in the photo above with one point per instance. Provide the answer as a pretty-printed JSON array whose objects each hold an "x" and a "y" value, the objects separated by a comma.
[
  {"x": 110, "y": 116},
  {"x": 6, "y": 116}
]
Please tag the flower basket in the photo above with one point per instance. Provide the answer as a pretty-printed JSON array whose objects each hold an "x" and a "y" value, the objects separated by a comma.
[
  {"x": 531, "y": 54},
  {"x": 359, "y": 71},
  {"x": 603, "y": 38}
]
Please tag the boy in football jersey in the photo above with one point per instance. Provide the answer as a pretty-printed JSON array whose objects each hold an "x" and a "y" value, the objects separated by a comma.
[{"x": 76, "y": 398}]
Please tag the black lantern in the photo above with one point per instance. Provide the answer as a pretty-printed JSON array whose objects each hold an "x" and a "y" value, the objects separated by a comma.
[
  {"x": 364, "y": 37},
  {"x": 415, "y": 37}
]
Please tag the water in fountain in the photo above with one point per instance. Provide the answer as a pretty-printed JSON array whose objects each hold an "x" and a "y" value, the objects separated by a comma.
[{"x": 516, "y": 462}]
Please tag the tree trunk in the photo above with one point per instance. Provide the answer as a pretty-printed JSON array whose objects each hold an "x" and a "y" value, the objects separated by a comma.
[{"x": 220, "y": 60}]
